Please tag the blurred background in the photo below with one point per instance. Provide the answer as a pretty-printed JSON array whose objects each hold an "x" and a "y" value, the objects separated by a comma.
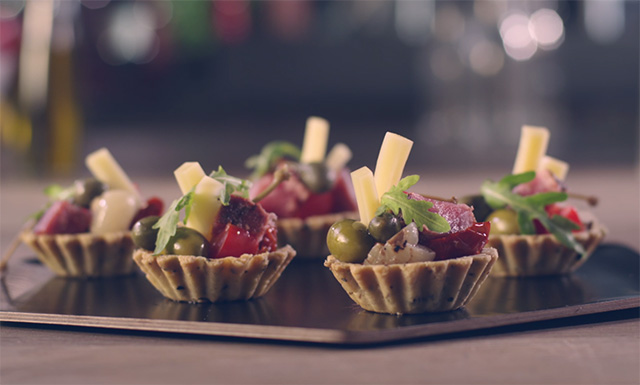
[{"x": 161, "y": 82}]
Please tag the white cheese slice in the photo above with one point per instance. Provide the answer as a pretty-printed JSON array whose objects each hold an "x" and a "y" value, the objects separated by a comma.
[
  {"x": 205, "y": 206},
  {"x": 106, "y": 169},
  {"x": 366, "y": 196},
  {"x": 316, "y": 135},
  {"x": 392, "y": 158},
  {"x": 338, "y": 157},
  {"x": 558, "y": 168},
  {"x": 188, "y": 175},
  {"x": 532, "y": 147}
]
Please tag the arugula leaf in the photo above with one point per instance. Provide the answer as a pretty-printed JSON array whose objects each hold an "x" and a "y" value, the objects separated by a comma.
[
  {"x": 168, "y": 222},
  {"x": 231, "y": 185},
  {"x": 499, "y": 195},
  {"x": 269, "y": 156},
  {"x": 412, "y": 210}
]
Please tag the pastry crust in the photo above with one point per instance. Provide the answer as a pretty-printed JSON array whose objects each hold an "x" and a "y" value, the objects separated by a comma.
[
  {"x": 418, "y": 287},
  {"x": 309, "y": 236},
  {"x": 542, "y": 254},
  {"x": 188, "y": 278},
  {"x": 84, "y": 255}
]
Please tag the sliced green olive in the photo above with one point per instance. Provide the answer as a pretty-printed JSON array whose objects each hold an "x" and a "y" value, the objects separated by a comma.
[
  {"x": 384, "y": 226},
  {"x": 188, "y": 241},
  {"x": 503, "y": 222},
  {"x": 349, "y": 241},
  {"x": 143, "y": 233},
  {"x": 85, "y": 190}
]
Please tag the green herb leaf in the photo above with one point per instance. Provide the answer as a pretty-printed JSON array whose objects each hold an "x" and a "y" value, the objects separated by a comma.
[
  {"x": 269, "y": 157},
  {"x": 499, "y": 195},
  {"x": 412, "y": 210},
  {"x": 168, "y": 223},
  {"x": 231, "y": 185}
]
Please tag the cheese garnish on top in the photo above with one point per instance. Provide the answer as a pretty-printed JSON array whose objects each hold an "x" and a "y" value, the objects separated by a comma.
[
  {"x": 532, "y": 147},
  {"x": 314, "y": 145},
  {"x": 392, "y": 158}
]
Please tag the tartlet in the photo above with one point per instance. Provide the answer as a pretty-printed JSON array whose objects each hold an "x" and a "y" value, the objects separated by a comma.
[
  {"x": 317, "y": 193},
  {"x": 542, "y": 254},
  {"x": 408, "y": 253},
  {"x": 534, "y": 230},
  {"x": 225, "y": 249},
  {"x": 188, "y": 278},
  {"x": 84, "y": 231}
]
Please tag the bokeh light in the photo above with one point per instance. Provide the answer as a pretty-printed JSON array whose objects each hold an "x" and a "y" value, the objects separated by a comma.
[
  {"x": 130, "y": 36},
  {"x": 486, "y": 58},
  {"x": 516, "y": 38},
  {"x": 546, "y": 27}
]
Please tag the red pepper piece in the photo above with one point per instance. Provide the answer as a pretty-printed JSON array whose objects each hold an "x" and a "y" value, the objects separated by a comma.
[
  {"x": 566, "y": 211},
  {"x": 466, "y": 242},
  {"x": 234, "y": 241}
]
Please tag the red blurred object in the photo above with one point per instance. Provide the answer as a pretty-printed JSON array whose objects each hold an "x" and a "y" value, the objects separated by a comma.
[
  {"x": 566, "y": 211},
  {"x": 344, "y": 197},
  {"x": 63, "y": 217},
  {"x": 154, "y": 206},
  {"x": 232, "y": 20}
]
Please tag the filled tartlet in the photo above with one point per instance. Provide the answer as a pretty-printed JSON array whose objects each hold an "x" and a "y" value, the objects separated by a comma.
[
  {"x": 534, "y": 229},
  {"x": 223, "y": 249},
  {"x": 84, "y": 230},
  {"x": 317, "y": 193},
  {"x": 408, "y": 253}
]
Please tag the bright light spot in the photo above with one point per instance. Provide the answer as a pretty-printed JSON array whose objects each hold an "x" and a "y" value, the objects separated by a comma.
[
  {"x": 486, "y": 58},
  {"x": 516, "y": 38},
  {"x": 604, "y": 20},
  {"x": 11, "y": 8},
  {"x": 546, "y": 28},
  {"x": 445, "y": 64},
  {"x": 130, "y": 36}
]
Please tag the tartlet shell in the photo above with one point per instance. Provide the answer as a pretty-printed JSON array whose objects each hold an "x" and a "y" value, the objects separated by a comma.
[
  {"x": 189, "y": 278},
  {"x": 419, "y": 287},
  {"x": 84, "y": 255},
  {"x": 542, "y": 254},
  {"x": 309, "y": 236}
]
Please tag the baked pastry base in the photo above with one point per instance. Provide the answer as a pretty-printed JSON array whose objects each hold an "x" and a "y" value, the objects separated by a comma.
[
  {"x": 188, "y": 278},
  {"x": 84, "y": 255},
  {"x": 309, "y": 236},
  {"x": 541, "y": 254},
  {"x": 419, "y": 287}
]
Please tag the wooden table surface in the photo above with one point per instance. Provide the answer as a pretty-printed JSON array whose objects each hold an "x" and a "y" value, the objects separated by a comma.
[{"x": 593, "y": 349}]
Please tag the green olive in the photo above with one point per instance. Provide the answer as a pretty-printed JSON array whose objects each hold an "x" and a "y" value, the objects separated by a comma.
[
  {"x": 85, "y": 190},
  {"x": 143, "y": 233},
  {"x": 188, "y": 241},
  {"x": 384, "y": 226},
  {"x": 481, "y": 209},
  {"x": 504, "y": 221},
  {"x": 349, "y": 241},
  {"x": 316, "y": 176}
]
